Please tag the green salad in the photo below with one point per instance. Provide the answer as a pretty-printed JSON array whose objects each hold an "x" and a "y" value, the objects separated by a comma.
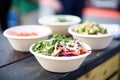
[
  {"x": 59, "y": 45},
  {"x": 90, "y": 28},
  {"x": 62, "y": 19}
]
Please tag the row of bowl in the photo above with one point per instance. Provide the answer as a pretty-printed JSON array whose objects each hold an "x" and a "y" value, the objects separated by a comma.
[
  {"x": 63, "y": 24},
  {"x": 23, "y": 37}
]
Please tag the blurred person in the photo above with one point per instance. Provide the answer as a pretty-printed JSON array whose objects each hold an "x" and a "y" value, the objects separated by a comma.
[
  {"x": 4, "y": 10},
  {"x": 49, "y": 7},
  {"x": 24, "y": 12},
  {"x": 72, "y": 7},
  {"x": 24, "y": 6}
]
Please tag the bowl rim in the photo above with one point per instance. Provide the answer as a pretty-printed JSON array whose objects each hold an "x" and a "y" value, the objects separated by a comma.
[
  {"x": 86, "y": 35},
  {"x": 5, "y": 33},
  {"x": 61, "y": 58},
  {"x": 78, "y": 19}
]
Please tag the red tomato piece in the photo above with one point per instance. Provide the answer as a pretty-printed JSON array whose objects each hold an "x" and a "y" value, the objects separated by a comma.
[
  {"x": 24, "y": 33},
  {"x": 76, "y": 54},
  {"x": 83, "y": 51}
]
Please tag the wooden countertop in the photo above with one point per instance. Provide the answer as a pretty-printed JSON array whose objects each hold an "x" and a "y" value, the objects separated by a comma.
[{"x": 16, "y": 65}]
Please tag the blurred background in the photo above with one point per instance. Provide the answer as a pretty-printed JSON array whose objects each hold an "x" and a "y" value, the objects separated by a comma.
[
  {"x": 23, "y": 12},
  {"x": 29, "y": 11}
]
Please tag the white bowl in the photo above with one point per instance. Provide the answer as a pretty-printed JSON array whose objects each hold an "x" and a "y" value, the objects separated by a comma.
[
  {"x": 22, "y": 43},
  {"x": 96, "y": 42},
  {"x": 61, "y": 64},
  {"x": 59, "y": 27}
]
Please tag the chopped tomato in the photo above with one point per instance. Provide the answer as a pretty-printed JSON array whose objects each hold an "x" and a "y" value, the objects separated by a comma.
[
  {"x": 68, "y": 54},
  {"x": 24, "y": 33},
  {"x": 83, "y": 51},
  {"x": 76, "y": 54}
]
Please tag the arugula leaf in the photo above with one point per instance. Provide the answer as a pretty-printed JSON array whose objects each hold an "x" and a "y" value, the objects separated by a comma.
[{"x": 47, "y": 47}]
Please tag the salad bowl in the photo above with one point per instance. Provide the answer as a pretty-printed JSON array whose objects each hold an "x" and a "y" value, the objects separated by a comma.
[
  {"x": 65, "y": 60},
  {"x": 21, "y": 37},
  {"x": 98, "y": 36},
  {"x": 59, "y": 23}
]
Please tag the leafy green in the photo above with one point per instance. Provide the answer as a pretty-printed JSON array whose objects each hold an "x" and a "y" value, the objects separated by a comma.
[
  {"x": 62, "y": 19},
  {"x": 47, "y": 47}
]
